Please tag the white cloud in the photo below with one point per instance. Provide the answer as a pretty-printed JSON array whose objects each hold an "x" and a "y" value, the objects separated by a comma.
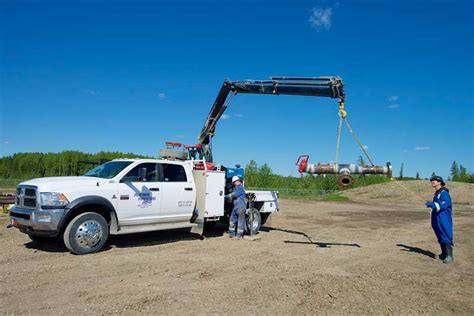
[
  {"x": 6, "y": 142},
  {"x": 162, "y": 95},
  {"x": 225, "y": 116},
  {"x": 365, "y": 147},
  {"x": 405, "y": 150},
  {"x": 320, "y": 18},
  {"x": 91, "y": 92},
  {"x": 422, "y": 148},
  {"x": 393, "y": 106},
  {"x": 392, "y": 98},
  {"x": 239, "y": 115}
]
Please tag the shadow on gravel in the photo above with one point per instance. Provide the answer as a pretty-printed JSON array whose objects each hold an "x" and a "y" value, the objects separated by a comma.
[
  {"x": 151, "y": 238},
  {"x": 51, "y": 246},
  {"x": 322, "y": 244},
  {"x": 164, "y": 237},
  {"x": 310, "y": 241},
  {"x": 138, "y": 239},
  {"x": 417, "y": 250}
]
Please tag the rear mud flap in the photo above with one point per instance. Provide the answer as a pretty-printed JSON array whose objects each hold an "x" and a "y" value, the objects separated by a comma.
[{"x": 199, "y": 227}]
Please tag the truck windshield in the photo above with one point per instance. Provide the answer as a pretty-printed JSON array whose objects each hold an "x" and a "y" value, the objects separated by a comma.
[{"x": 108, "y": 170}]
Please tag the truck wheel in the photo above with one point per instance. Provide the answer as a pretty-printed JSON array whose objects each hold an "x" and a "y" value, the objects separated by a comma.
[
  {"x": 86, "y": 233},
  {"x": 257, "y": 220}
]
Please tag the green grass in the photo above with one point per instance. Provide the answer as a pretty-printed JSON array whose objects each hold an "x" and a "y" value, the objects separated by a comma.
[
  {"x": 334, "y": 198},
  {"x": 328, "y": 197},
  {"x": 4, "y": 209},
  {"x": 10, "y": 183},
  {"x": 289, "y": 192}
]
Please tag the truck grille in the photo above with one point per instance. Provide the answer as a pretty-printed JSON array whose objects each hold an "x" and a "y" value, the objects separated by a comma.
[
  {"x": 30, "y": 192},
  {"x": 26, "y": 197},
  {"x": 29, "y": 202}
]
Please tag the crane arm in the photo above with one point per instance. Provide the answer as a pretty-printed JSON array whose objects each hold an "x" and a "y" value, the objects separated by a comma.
[{"x": 330, "y": 87}]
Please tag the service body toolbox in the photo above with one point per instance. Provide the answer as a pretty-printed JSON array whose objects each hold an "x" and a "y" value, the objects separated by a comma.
[{"x": 210, "y": 192}]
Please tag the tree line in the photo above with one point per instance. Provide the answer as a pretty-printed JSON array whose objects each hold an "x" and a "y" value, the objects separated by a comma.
[
  {"x": 74, "y": 163},
  {"x": 66, "y": 163},
  {"x": 459, "y": 173}
]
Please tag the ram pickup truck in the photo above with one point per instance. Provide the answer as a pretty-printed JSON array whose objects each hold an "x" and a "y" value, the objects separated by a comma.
[{"x": 128, "y": 196}]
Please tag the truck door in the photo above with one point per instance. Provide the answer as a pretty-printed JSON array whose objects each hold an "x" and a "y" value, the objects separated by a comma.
[
  {"x": 178, "y": 190},
  {"x": 139, "y": 194}
]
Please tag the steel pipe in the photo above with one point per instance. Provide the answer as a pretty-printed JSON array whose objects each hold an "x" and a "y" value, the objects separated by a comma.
[
  {"x": 346, "y": 169},
  {"x": 341, "y": 169}
]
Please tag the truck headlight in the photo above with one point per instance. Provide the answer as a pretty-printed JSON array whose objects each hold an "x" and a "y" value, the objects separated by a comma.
[{"x": 53, "y": 199}]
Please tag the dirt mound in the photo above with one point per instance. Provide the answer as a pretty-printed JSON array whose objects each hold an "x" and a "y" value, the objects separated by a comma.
[{"x": 399, "y": 191}]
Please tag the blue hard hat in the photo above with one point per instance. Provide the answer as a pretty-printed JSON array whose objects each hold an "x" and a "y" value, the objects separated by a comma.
[{"x": 439, "y": 179}]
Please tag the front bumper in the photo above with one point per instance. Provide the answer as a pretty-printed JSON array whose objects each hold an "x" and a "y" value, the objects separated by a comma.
[{"x": 37, "y": 222}]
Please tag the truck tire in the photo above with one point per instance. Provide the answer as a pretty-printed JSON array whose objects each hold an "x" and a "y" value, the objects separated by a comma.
[
  {"x": 257, "y": 220},
  {"x": 86, "y": 233}
]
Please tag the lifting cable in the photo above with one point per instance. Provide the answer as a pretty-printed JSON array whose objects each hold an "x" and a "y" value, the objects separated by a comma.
[
  {"x": 408, "y": 190},
  {"x": 338, "y": 139},
  {"x": 343, "y": 116},
  {"x": 358, "y": 141}
]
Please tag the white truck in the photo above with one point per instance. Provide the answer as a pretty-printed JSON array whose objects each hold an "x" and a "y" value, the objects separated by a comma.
[{"x": 129, "y": 196}]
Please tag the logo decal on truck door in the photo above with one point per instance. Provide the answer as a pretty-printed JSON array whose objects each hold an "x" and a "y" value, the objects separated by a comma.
[
  {"x": 184, "y": 203},
  {"x": 145, "y": 199}
]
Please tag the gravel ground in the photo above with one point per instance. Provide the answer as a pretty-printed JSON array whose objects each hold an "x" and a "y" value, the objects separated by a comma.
[{"x": 370, "y": 256}]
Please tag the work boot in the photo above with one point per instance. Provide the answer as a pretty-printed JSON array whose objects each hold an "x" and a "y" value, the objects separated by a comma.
[
  {"x": 449, "y": 254},
  {"x": 442, "y": 256}
]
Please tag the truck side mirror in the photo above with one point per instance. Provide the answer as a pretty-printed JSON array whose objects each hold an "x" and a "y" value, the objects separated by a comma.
[{"x": 142, "y": 174}]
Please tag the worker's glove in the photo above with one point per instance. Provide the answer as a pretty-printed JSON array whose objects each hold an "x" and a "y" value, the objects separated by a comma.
[
  {"x": 228, "y": 197},
  {"x": 430, "y": 204}
]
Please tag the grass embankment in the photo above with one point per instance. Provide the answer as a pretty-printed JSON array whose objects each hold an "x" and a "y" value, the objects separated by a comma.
[
  {"x": 331, "y": 197},
  {"x": 334, "y": 198},
  {"x": 9, "y": 184}
]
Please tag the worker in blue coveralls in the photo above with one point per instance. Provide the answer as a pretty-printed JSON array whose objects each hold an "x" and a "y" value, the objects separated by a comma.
[
  {"x": 442, "y": 218},
  {"x": 237, "y": 217}
]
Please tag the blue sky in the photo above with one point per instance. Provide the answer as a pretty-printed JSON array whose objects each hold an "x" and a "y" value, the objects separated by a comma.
[{"x": 129, "y": 75}]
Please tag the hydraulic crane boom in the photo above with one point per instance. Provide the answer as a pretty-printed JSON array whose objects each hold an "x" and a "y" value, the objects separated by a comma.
[{"x": 330, "y": 87}]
